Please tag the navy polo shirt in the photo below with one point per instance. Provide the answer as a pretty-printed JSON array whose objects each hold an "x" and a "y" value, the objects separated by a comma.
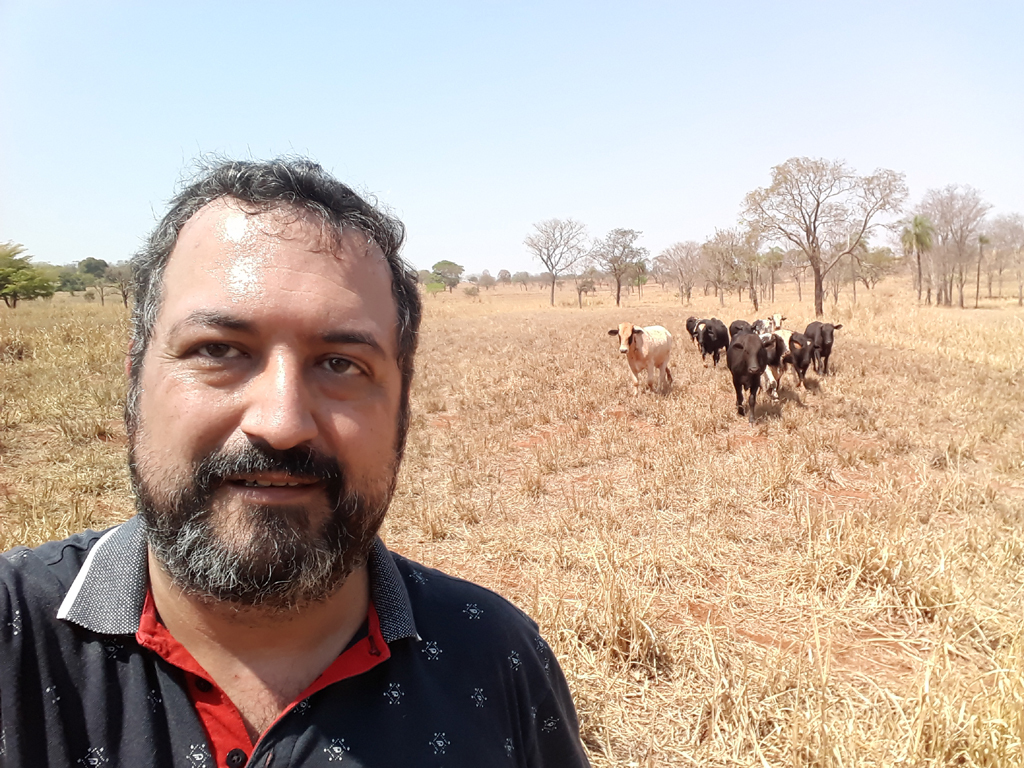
[{"x": 470, "y": 682}]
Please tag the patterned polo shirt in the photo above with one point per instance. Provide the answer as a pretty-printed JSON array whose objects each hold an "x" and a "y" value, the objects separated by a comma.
[{"x": 469, "y": 681}]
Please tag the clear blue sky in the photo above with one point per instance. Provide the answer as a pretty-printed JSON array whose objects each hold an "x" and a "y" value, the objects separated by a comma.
[{"x": 473, "y": 120}]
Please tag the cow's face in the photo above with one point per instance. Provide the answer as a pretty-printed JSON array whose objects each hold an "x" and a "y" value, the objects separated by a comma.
[
  {"x": 777, "y": 319},
  {"x": 626, "y": 332},
  {"x": 828, "y": 333}
]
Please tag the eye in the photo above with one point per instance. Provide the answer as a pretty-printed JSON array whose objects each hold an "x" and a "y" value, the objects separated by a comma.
[
  {"x": 218, "y": 351},
  {"x": 341, "y": 365}
]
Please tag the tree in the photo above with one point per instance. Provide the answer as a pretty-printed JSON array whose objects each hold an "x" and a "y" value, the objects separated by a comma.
[
  {"x": 773, "y": 260},
  {"x": 94, "y": 267},
  {"x": 824, "y": 209},
  {"x": 486, "y": 280},
  {"x": 795, "y": 262},
  {"x": 423, "y": 276},
  {"x": 504, "y": 277},
  {"x": 875, "y": 265},
  {"x": 983, "y": 240},
  {"x": 523, "y": 278},
  {"x": 916, "y": 239},
  {"x": 1008, "y": 236},
  {"x": 70, "y": 279},
  {"x": 720, "y": 261},
  {"x": 120, "y": 276},
  {"x": 957, "y": 212},
  {"x": 682, "y": 262},
  {"x": 617, "y": 254},
  {"x": 19, "y": 279},
  {"x": 558, "y": 244},
  {"x": 448, "y": 273}
]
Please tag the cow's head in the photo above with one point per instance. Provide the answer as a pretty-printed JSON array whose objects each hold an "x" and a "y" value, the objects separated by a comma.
[
  {"x": 827, "y": 333},
  {"x": 625, "y": 332},
  {"x": 776, "y": 320}
]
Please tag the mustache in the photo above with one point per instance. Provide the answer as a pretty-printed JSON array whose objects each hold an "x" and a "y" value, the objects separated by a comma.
[{"x": 301, "y": 461}]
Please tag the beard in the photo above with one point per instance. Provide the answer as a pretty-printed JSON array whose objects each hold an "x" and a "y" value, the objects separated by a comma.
[{"x": 274, "y": 558}]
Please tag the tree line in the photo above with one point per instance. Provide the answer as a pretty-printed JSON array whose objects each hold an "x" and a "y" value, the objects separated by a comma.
[
  {"x": 23, "y": 280},
  {"x": 817, "y": 221}
]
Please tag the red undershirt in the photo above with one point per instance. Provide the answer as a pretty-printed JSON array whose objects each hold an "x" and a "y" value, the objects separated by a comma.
[{"x": 218, "y": 714}]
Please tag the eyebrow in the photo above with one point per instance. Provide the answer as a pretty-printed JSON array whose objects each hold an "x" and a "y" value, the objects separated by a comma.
[
  {"x": 352, "y": 337},
  {"x": 213, "y": 319}
]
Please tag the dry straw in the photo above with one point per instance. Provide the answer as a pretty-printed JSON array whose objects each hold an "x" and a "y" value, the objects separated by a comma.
[{"x": 840, "y": 585}]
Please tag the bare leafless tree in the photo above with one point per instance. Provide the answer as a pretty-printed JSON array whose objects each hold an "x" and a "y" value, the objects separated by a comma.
[
  {"x": 681, "y": 261},
  {"x": 720, "y": 261},
  {"x": 957, "y": 213},
  {"x": 1008, "y": 237},
  {"x": 824, "y": 209},
  {"x": 559, "y": 244},
  {"x": 617, "y": 255}
]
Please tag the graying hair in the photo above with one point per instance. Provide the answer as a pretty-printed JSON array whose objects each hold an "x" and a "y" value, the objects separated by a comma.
[{"x": 262, "y": 186}]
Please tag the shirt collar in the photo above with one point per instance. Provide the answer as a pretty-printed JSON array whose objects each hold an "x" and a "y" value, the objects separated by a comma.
[{"x": 109, "y": 592}]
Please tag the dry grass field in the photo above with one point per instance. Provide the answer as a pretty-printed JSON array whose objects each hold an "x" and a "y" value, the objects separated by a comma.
[{"x": 840, "y": 585}]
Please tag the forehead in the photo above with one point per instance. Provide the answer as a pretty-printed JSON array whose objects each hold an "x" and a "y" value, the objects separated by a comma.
[
  {"x": 625, "y": 329},
  {"x": 276, "y": 265}
]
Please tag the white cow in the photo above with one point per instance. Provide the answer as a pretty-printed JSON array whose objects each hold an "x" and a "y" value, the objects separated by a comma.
[{"x": 646, "y": 348}]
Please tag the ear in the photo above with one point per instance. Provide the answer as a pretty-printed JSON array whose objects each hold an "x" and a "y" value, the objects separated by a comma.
[
  {"x": 613, "y": 332},
  {"x": 837, "y": 327},
  {"x": 637, "y": 330}
]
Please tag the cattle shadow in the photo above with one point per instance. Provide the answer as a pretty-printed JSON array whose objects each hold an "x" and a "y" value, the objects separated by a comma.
[
  {"x": 812, "y": 385},
  {"x": 772, "y": 409}
]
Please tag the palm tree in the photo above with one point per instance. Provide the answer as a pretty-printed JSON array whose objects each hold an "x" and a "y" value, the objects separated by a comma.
[
  {"x": 982, "y": 242},
  {"x": 917, "y": 238}
]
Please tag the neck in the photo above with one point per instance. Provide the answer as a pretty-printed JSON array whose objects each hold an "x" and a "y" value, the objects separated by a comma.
[{"x": 245, "y": 630}]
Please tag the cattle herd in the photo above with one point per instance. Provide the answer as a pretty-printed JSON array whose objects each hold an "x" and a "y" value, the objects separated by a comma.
[{"x": 752, "y": 350}]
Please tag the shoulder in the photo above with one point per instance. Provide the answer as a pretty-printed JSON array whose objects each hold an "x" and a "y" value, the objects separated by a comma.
[
  {"x": 34, "y": 581},
  {"x": 436, "y": 595},
  {"x": 55, "y": 562}
]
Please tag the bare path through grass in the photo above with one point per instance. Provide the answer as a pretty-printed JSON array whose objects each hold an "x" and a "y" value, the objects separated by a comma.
[{"x": 839, "y": 585}]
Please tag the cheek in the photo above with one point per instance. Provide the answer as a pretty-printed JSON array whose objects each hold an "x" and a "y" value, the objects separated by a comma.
[{"x": 182, "y": 416}]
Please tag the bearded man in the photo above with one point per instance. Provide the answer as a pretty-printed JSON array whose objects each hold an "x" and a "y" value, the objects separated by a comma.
[{"x": 249, "y": 614}]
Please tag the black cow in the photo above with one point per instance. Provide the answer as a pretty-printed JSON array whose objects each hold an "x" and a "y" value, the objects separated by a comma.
[
  {"x": 822, "y": 336},
  {"x": 691, "y": 328},
  {"x": 739, "y": 326},
  {"x": 800, "y": 355},
  {"x": 713, "y": 337},
  {"x": 747, "y": 360}
]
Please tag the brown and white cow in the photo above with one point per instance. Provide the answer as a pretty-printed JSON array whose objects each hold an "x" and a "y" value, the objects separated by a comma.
[{"x": 647, "y": 349}]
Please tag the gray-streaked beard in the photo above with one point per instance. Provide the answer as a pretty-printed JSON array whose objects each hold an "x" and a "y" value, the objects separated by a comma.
[{"x": 271, "y": 558}]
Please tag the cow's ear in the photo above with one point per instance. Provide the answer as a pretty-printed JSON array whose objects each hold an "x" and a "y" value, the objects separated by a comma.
[
  {"x": 837, "y": 327},
  {"x": 637, "y": 330},
  {"x": 613, "y": 332}
]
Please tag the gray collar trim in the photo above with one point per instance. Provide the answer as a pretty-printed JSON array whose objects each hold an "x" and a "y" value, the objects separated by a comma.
[{"x": 109, "y": 592}]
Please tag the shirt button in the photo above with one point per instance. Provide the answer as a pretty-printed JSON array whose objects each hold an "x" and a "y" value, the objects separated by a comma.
[
  {"x": 236, "y": 758},
  {"x": 204, "y": 685}
]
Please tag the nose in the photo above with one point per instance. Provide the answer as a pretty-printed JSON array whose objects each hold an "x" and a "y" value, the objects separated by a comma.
[{"x": 278, "y": 408}]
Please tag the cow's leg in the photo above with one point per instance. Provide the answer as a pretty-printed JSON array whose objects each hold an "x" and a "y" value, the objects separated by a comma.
[
  {"x": 650, "y": 375},
  {"x": 738, "y": 383},
  {"x": 824, "y": 364},
  {"x": 753, "y": 398},
  {"x": 773, "y": 381},
  {"x": 715, "y": 356},
  {"x": 636, "y": 379},
  {"x": 668, "y": 379}
]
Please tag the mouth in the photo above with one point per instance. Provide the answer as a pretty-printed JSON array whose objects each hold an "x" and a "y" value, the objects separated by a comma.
[{"x": 272, "y": 481}]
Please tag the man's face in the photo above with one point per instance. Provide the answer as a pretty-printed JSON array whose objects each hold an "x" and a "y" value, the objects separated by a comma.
[{"x": 265, "y": 452}]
